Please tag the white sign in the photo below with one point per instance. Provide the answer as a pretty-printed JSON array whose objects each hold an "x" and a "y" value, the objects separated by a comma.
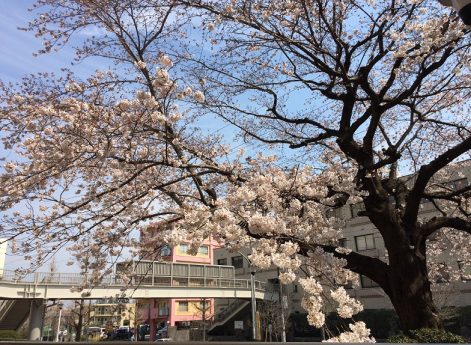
[
  {"x": 285, "y": 302},
  {"x": 238, "y": 324}
]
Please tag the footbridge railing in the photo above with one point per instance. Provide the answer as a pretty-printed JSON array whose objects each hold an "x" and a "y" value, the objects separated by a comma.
[{"x": 157, "y": 274}]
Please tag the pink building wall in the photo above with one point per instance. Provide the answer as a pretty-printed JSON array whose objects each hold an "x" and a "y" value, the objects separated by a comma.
[{"x": 152, "y": 313}]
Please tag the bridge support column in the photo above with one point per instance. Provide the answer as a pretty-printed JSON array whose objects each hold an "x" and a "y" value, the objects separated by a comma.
[{"x": 36, "y": 313}]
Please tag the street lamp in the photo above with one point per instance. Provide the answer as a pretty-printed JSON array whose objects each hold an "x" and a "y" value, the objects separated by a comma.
[
  {"x": 253, "y": 300},
  {"x": 60, "y": 305},
  {"x": 463, "y": 7}
]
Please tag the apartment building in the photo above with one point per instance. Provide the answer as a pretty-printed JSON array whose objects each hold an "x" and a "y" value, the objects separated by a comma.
[
  {"x": 181, "y": 313},
  {"x": 109, "y": 313}
]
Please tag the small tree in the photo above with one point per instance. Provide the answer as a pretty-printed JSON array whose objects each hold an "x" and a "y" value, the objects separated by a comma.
[
  {"x": 204, "y": 313},
  {"x": 270, "y": 314},
  {"x": 77, "y": 318}
]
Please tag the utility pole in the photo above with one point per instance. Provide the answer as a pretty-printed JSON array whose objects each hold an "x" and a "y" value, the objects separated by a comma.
[
  {"x": 282, "y": 302},
  {"x": 204, "y": 319},
  {"x": 254, "y": 305},
  {"x": 60, "y": 305}
]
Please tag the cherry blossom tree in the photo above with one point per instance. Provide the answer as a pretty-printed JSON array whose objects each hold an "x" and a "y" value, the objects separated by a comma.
[
  {"x": 384, "y": 86},
  {"x": 361, "y": 90},
  {"x": 99, "y": 155}
]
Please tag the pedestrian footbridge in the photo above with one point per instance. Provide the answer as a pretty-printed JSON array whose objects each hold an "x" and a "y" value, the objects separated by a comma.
[{"x": 143, "y": 280}]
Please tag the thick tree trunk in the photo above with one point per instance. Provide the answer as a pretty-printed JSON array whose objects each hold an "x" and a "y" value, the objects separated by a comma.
[
  {"x": 410, "y": 293},
  {"x": 407, "y": 283}
]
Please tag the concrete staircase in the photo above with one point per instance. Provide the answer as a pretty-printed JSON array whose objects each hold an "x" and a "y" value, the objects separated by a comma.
[
  {"x": 13, "y": 313},
  {"x": 228, "y": 313}
]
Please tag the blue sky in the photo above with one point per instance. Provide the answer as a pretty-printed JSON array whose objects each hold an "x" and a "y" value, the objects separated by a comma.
[
  {"x": 16, "y": 58},
  {"x": 17, "y": 46}
]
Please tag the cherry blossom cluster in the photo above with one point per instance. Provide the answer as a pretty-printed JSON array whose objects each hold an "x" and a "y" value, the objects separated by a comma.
[
  {"x": 358, "y": 334},
  {"x": 347, "y": 306}
]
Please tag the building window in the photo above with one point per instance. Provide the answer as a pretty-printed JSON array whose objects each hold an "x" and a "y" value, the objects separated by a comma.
[
  {"x": 367, "y": 282},
  {"x": 183, "y": 248},
  {"x": 222, "y": 261},
  {"x": 163, "y": 309},
  {"x": 203, "y": 250},
  {"x": 237, "y": 261},
  {"x": 365, "y": 242},
  {"x": 183, "y": 306},
  {"x": 355, "y": 208},
  {"x": 165, "y": 251}
]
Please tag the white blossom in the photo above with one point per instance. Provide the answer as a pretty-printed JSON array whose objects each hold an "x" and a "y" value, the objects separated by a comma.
[
  {"x": 347, "y": 306},
  {"x": 140, "y": 65},
  {"x": 188, "y": 91},
  {"x": 210, "y": 26},
  {"x": 165, "y": 61},
  {"x": 358, "y": 334},
  {"x": 287, "y": 277},
  {"x": 199, "y": 96}
]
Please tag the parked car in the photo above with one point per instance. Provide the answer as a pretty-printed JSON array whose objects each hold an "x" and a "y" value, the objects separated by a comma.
[
  {"x": 162, "y": 333},
  {"x": 122, "y": 334},
  {"x": 97, "y": 333}
]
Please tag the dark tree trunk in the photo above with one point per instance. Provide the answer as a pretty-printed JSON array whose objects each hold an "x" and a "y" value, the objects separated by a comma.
[
  {"x": 78, "y": 328},
  {"x": 410, "y": 291},
  {"x": 79, "y": 324},
  {"x": 406, "y": 283}
]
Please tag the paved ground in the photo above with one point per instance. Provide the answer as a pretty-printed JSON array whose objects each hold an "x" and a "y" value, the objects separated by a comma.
[
  {"x": 173, "y": 343},
  {"x": 145, "y": 343}
]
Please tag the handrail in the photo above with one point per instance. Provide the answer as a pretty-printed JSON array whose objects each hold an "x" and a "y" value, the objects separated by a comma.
[
  {"x": 229, "y": 310},
  {"x": 5, "y": 306},
  {"x": 148, "y": 279}
]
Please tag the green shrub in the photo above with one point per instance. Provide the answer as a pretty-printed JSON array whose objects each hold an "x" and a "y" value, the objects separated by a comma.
[
  {"x": 400, "y": 338},
  {"x": 430, "y": 335},
  {"x": 427, "y": 335},
  {"x": 9, "y": 335}
]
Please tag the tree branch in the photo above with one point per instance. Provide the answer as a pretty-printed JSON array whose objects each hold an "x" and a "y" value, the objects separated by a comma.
[
  {"x": 437, "y": 223},
  {"x": 426, "y": 172}
]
